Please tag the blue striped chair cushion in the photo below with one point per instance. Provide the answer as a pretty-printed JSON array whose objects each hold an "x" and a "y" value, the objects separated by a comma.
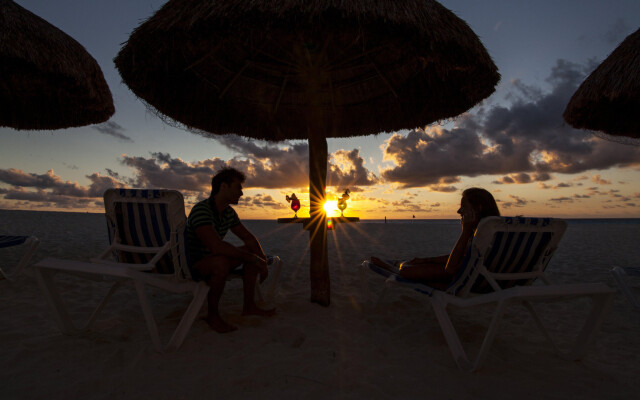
[
  {"x": 632, "y": 271},
  {"x": 415, "y": 285},
  {"x": 510, "y": 252},
  {"x": 8, "y": 240},
  {"x": 141, "y": 193},
  {"x": 142, "y": 224}
]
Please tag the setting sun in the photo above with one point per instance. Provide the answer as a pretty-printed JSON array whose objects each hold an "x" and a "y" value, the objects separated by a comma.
[{"x": 330, "y": 207}]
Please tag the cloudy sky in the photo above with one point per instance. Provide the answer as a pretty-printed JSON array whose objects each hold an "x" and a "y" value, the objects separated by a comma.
[{"x": 514, "y": 144}]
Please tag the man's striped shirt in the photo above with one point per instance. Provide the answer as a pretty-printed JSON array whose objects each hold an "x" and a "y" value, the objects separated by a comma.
[{"x": 205, "y": 213}]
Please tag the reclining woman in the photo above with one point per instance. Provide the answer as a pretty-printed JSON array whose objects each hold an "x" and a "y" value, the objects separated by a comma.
[{"x": 439, "y": 271}]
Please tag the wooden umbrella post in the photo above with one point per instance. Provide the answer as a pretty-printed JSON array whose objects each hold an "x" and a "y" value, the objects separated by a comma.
[
  {"x": 319, "y": 125},
  {"x": 319, "y": 268}
]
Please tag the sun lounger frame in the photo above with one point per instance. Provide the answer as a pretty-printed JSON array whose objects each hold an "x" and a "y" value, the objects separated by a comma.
[
  {"x": 517, "y": 290},
  {"x": 168, "y": 206}
]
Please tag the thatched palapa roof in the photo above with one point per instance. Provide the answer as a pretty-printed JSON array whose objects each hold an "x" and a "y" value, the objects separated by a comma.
[
  {"x": 275, "y": 69},
  {"x": 609, "y": 99},
  {"x": 47, "y": 79}
]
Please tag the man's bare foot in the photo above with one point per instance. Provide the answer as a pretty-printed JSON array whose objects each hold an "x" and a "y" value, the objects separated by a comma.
[
  {"x": 255, "y": 310},
  {"x": 219, "y": 325}
]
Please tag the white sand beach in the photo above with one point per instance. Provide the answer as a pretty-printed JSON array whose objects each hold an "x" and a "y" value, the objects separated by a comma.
[{"x": 345, "y": 351}]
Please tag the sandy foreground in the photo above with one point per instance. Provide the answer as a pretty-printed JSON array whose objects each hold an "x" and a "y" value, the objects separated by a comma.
[{"x": 307, "y": 351}]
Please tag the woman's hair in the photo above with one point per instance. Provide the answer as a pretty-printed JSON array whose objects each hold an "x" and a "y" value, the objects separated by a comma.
[{"x": 483, "y": 199}]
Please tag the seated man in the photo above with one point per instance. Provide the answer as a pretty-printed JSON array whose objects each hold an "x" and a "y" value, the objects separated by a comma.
[{"x": 211, "y": 258}]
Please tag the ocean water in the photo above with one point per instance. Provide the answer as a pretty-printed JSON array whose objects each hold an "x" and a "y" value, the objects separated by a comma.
[
  {"x": 457, "y": 221},
  {"x": 588, "y": 250}
]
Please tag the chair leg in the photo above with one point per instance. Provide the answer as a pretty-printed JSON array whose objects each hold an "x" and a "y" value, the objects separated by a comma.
[
  {"x": 450, "y": 334},
  {"x": 600, "y": 305},
  {"x": 147, "y": 311},
  {"x": 543, "y": 329},
  {"x": 180, "y": 333},
  {"x": 199, "y": 297},
  {"x": 453, "y": 340},
  {"x": 52, "y": 296},
  {"x": 60, "y": 313},
  {"x": 98, "y": 309},
  {"x": 490, "y": 335},
  {"x": 599, "y": 309}
]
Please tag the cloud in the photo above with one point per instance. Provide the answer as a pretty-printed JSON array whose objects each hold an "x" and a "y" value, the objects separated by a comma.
[
  {"x": 424, "y": 157},
  {"x": 163, "y": 171},
  {"x": 383, "y": 202},
  {"x": 528, "y": 136},
  {"x": 346, "y": 168},
  {"x": 523, "y": 177},
  {"x": 600, "y": 181},
  {"x": 45, "y": 198},
  {"x": 266, "y": 166},
  {"x": 49, "y": 190},
  {"x": 514, "y": 202},
  {"x": 262, "y": 200},
  {"x": 442, "y": 188},
  {"x": 51, "y": 184},
  {"x": 113, "y": 129},
  {"x": 18, "y": 177},
  {"x": 562, "y": 200},
  {"x": 70, "y": 166},
  {"x": 408, "y": 205},
  {"x": 561, "y": 185},
  {"x": 275, "y": 166}
]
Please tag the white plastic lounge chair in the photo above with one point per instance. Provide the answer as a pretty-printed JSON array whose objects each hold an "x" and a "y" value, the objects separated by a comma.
[
  {"x": 507, "y": 254},
  {"x": 31, "y": 242},
  {"x": 621, "y": 277},
  {"x": 146, "y": 231}
]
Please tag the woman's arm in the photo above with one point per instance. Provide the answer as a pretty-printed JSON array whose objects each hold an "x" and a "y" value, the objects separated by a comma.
[
  {"x": 469, "y": 224},
  {"x": 457, "y": 254}
]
